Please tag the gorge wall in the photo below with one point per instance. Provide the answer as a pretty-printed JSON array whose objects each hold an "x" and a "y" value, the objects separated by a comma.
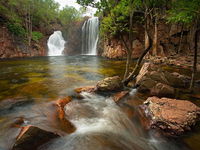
[
  {"x": 12, "y": 46},
  {"x": 169, "y": 39}
]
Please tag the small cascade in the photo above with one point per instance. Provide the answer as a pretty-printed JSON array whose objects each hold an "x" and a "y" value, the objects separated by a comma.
[
  {"x": 56, "y": 44},
  {"x": 90, "y": 36}
]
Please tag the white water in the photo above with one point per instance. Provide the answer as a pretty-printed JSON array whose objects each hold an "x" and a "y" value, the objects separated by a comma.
[
  {"x": 90, "y": 36},
  {"x": 56, "y": 44},
  {"x": 100, "y": 125}
]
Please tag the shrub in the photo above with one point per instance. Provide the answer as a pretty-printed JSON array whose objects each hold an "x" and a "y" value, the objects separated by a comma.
[
  {"x": 16, "y": 29},
  {"x": 36, "y": 36}
]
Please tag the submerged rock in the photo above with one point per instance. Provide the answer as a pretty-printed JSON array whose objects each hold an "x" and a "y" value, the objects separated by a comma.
[
  {"x": 171, "y": 116},
  {"x": 31, "y": 137},
  {"x": 109, "y": 84},
  {"x": 8, "y": 105}
]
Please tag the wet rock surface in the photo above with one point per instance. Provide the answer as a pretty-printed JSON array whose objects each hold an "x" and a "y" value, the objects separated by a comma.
[
  {"x": 9, "y": 105},
  {"x": 120, "y": 95},
  {"x": 88, "y": 89},
  {"x": 171, "y": 116},
  {"x": 109, "y": 84},
  {"x": 31, "y": 137}
]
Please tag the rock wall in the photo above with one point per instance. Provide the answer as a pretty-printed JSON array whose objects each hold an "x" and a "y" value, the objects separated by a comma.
[
  {"x": 73, "y": 36},
  {"x": 114, "y": 48},
  {"x": 11, "y": 46},
  {"x": 171, "y": 39}
]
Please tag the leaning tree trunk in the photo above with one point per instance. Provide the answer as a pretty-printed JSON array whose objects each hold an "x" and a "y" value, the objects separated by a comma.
[
  {"x": 133, "y": 74},
  {"x": 195, "y": 60}
]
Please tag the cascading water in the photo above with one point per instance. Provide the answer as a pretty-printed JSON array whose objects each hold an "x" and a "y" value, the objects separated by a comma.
[
  {"x": 90, "y": 36},
  {"x": 100, "y": 125},
  {"x": 56, "y": 44}
]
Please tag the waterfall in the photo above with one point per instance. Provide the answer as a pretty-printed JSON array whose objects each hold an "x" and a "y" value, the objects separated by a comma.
[
  {"x": 56, "y": 44},
  {"x": 90, "y": 36}
]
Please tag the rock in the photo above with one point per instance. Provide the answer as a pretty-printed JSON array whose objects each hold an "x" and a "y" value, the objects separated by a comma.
[
  {"x": 88, "y": 89},
  {"x": 62, "y": 102},
  {"x": 109, "y": 84},
  {"x": 64, "y": 124},
  {"x": 31, "y": 137},
  {"x": 120, "y": 95},
  {"x": 171, "y": 116},
  {"x": 153, "y": 79},
  {"x": 177, "y": 80},
  {"x": 114, "y": 48},
  {"x": 146, "y": 84},
  {"x": 162, "y": 90},
  {"x": 9, "y": 104},
  {"x": 143, "y": 72}
]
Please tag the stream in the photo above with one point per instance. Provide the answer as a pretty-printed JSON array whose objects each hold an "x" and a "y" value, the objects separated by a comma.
[{"x": 100, "y": 123}]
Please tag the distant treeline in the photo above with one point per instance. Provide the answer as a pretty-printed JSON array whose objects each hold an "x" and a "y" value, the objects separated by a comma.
[{"x": 28, "y": 19}]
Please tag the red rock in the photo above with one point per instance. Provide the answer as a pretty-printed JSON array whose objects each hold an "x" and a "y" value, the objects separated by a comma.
[
  {"x": 64, "y": 124},
  {"x": 88, "y": 89},
  {"x": 171, "y": 116},
  {"x": 62, "y": 102},
  {"x": 120, "y": 95}
]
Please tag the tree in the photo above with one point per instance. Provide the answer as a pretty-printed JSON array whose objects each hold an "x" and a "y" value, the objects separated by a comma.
[{"x": 188, "y": 13}]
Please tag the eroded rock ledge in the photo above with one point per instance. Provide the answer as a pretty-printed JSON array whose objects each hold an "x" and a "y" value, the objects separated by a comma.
[{"x": 171, "y": 116}]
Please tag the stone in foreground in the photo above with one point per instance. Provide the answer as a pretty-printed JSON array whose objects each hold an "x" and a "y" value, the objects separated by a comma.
[
  {"x": 171, "y": 116},
  {"x": 109, "y": 84},
  {"x": 32, "y": 137}
]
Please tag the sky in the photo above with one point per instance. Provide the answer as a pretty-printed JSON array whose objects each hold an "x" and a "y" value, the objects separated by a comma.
[
  {"x": 69, "y": 3},
  {"x": 73, "y": 3}
]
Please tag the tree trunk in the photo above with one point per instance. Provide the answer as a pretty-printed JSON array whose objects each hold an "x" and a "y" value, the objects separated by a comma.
[
  {"x": 134, "y": 72},
  {"x": 129, "y": 46},
  {"x": 195, "y": 60},
  {"x": 180, "y": 41},
  {"x": 155, "y": 40}
]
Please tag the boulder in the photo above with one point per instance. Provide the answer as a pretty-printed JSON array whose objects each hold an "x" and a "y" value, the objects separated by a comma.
[
  {"x": 177, "y": 80},
  {"x": 31, "y": 137},
  {"x": 171, "y": 116},
  {"x": 162, "y": 90},
  {"x": 88, "y": 89},
  {"x": 153, "y": 79},
  {"x": 120, "y": 95},
  {"x": 109, "y": 84}
]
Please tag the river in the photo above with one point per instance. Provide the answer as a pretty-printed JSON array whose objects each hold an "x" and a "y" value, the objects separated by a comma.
[{"x": 100, "y": 123}]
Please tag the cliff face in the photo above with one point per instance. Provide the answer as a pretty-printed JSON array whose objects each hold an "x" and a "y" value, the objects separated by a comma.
[
  {"x": 114, "y": 48},
  {"x": 73, "y": 36},
  {"x": 169, "y": 39},
  {"x": 11, "y": 46}
]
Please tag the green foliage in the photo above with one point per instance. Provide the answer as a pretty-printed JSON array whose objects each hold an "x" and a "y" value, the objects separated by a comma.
[
  {"x": 68, "y": 15},
  {"x": 16, "y": 29},
  {"x": 184, "y": 11},
  {"x": 42, "y": 13},
  {"x": 36, "y": 36},
  {"x": 117, "y": 20}
]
